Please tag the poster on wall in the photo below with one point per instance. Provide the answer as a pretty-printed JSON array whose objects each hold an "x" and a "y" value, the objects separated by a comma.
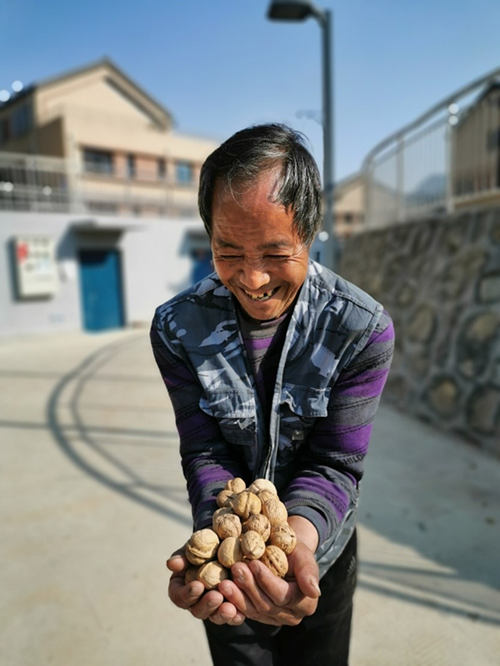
[{"x": 36, "y": 267}]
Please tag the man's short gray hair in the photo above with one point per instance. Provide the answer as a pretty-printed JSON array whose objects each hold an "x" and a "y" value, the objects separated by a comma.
[{"x": 249, "y": 152}]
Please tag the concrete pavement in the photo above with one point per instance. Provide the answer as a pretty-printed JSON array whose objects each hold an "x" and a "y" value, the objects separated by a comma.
[{"x": 93, "y": 501}]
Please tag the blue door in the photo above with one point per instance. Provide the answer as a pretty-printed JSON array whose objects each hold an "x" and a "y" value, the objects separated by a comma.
[
  {"x": 202, "y": 264},
  {"x": 101, "y": 289}
]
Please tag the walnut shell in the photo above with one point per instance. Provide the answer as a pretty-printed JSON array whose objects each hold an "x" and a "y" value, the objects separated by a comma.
[
  {"x": 262, "y": 484},
  {"x": 223, "y": 497},
  {"x": 259, "y": 523},
  {"x": 265, "y": 495},
  {"x": 226, "y": 525},
  {"x": 236, "y": 485},
  {"x": 245, "y": 503},
  {"x": 229, "y": 552},
  {"x": 202, "y": 546},
  {"x": 211, "y": 574},
  {"x": 275, "y": 560},
  {"x": 284, "y": 537},
  {"x": 252, "y": 545},
  {"x": 276, "y": 511},
  {"x": 221, "y": 511}
]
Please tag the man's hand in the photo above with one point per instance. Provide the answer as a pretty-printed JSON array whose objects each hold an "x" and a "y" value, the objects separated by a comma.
[
  {"x": 193, "y": 597},
  {"x": 255, "y": 592},
  {"x": 260, "y": 595}
]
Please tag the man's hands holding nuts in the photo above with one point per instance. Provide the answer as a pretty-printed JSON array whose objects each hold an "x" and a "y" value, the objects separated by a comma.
[{"x": 235, "y": 570}]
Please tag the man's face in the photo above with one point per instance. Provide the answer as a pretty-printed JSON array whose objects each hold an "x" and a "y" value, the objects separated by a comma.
[{"x": 256, "y": 251}]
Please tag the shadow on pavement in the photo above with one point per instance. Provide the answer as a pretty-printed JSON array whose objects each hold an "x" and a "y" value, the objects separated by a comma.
[
  {"x": 79, "y": 440},
  {"x": 435, "y": 497}
]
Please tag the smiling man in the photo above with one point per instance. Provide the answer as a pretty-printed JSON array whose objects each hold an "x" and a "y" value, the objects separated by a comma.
[
  {"x": 257, "y": 252},
  {"x": 275, "y": 366}
]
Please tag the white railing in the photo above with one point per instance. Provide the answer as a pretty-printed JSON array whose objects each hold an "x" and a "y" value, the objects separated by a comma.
[
  {"x": 448, "y": 157},
  {"x": 50, "y": 184}
]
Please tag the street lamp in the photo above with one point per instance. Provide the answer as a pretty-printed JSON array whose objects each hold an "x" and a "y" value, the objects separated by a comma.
[{"x": 289, "y": 10}]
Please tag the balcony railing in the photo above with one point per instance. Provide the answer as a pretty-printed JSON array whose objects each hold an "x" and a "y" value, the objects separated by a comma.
[
  {"x": 48, "y": 184},
  {"x": 449, "y": 157}
]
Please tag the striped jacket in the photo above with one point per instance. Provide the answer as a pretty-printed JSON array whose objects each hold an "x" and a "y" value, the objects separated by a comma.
[{"x": 333, "y": 366}]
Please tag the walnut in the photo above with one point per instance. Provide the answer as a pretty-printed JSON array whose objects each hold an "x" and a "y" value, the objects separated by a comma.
[
  {"x": 284, "y": 537},
  {"x": 226, "y": 525},
  {"x": 265, "y": 495},
  {"x": 202, "y": 546},
  {"x": 221, "y": 511},
  {"x": 245, "y": 503},
  {"x": 229, "y": 552},
  {"x": 276, "y": 511},
  {"x": 259, "y": 523},
  {"x": 211, "y": 574},
  {"x": 223, "y": 497},
  {"x": 262, "y": 484},
  {"x": 275, "y": 560},
  {"x": 236, "y": 485},
  {"x": 252, "y": 545}
]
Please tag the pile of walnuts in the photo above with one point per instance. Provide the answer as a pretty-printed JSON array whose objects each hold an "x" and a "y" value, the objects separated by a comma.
[{"x": 250, "y": 524}]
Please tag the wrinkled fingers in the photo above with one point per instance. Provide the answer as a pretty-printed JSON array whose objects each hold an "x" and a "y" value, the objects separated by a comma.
[
  {"x": 182, "y": 595},
  {"x": 207, "y": 605},
  {"x": 227, "y": 613},
  {"x": 247, "y": 584}
]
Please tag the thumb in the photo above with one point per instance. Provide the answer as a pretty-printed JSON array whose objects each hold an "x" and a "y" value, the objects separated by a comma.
[
  {"x": 305, "y": 571},
  {"x": 177, "y": 562}
]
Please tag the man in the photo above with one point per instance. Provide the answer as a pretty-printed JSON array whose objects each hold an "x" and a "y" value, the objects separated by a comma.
[{"x": 275, "y": 367}]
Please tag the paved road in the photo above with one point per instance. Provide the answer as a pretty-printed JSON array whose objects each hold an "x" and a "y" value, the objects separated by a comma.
[{"x": 93, "y": 501}]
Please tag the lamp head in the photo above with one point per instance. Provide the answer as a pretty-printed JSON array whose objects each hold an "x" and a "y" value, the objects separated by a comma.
[{"x": 289, "y": 10}]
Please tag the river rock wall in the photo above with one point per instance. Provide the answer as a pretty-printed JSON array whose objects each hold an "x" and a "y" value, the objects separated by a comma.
[{"x": 440, "y": 281}]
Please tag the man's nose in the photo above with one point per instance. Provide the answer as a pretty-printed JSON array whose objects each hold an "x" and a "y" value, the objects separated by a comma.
[{"x": 253, "y": 276}]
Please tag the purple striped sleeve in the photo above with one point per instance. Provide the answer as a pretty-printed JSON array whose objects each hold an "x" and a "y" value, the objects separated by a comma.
[
  {"x": 332, "y": 463},
  {"x": 206, "y": 460}
]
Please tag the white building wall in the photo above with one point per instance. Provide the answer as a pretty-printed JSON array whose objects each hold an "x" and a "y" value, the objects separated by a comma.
[{"x": 154, "y": 268}]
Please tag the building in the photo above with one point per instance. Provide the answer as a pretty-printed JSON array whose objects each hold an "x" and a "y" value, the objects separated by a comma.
[
  {"x": 349, "y": 205},
  {"x": 476, "y": 151},
  {"x": 351, "y": 197},
  {"x": 98, "y": 204},
  {"x": 113, "y": 148}
]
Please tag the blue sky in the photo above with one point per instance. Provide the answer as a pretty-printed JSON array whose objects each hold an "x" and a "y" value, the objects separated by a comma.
[{"x": 219, "y": 65}]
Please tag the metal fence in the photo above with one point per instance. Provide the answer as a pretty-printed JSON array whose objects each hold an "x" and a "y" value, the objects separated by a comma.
[
  {"x": 50, "y": 184},
  {"x": 449, "y": 157}
]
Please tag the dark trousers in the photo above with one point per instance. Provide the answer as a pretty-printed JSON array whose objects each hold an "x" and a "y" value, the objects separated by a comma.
[{"x": 319, "y": 640}]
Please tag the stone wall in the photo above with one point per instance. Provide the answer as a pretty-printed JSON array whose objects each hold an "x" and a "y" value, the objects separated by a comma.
[{"x": 440, "y": 281}]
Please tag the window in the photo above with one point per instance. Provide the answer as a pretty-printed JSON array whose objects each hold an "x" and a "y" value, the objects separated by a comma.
[
  {"x": 161, "y": 168},
  {"x": 4, "y": 130},
  {"x": 98, "y": 161},
  {"x": 348, "y": 218},
  {"x": 184, "y": 173},
  {"x": 21, "y": 120},
  {"x": 131, "y": 166}
]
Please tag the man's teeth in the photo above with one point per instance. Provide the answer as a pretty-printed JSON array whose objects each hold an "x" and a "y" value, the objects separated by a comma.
[{"x": 260, "y": 297}]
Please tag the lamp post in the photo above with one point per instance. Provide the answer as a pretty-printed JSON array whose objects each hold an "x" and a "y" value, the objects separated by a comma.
[{"x": 290, "y": 10}]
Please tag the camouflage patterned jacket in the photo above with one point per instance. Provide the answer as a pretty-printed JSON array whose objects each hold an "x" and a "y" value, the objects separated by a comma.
[{"x": 304, "y": 447}]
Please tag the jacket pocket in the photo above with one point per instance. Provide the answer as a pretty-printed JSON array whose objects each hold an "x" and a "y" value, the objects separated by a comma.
[
  {"x": 234, "y": 411},
  {"x": 306, "y": 401}
]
